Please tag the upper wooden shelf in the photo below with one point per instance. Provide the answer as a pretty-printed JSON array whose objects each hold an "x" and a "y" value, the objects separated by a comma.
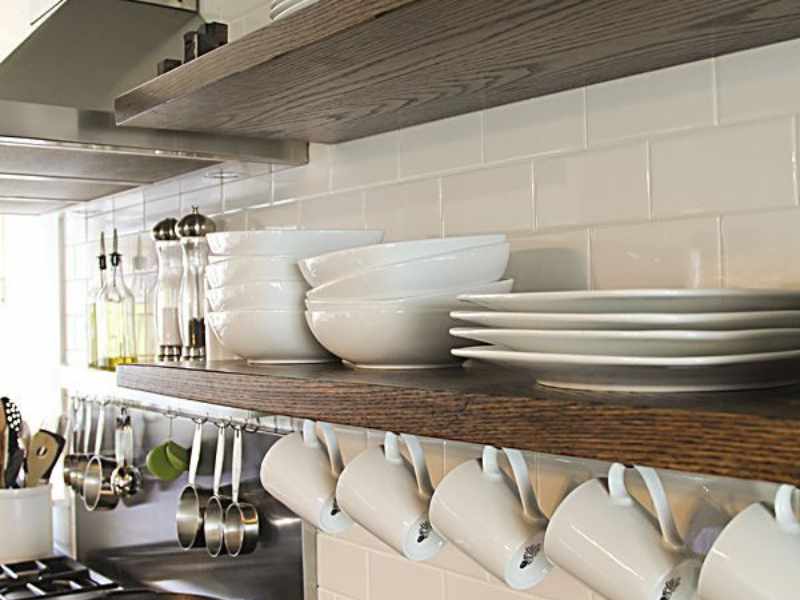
[
  {"x": 345, "y": 69},
  {"x": 751, "y": 435}
]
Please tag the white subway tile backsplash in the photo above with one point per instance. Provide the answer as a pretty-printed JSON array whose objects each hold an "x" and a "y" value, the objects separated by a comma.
[
  {"x": 74, "y": 228},
  {"x": 535, "y": 126},
  {"x": 282, "y": 214},
  {"x": 395, "y": 578},
  {"x": 162, "y": 189},
  {"x": 550, "y": 261},
  {"x": 100, "y": 223},
  {"x": 451, "y": 559},
  {"x": 761, "y": 249},
  {"x": 494, "y": 199},
  {"x": 674, "y": 98},
  {"x": 341, "y": 567},
  {"x": 405, "y": 211},
  {"x": 596, "y": 186},
  {"x": 308, "y": 180},
  {"x": 441, "y": 146},
  {"x": 336, "y": 211},
  {"x": 161, "y": 208},
  {"x": 130, "y": 219},
  {"x": 251, "y": 191},
  {"x": 759, "y": 82},
  {"x": 461, "y": 588},
  {"x": 739, "y": 167},
  {"x": 656, "y": 255},
  {"x": 365, "y": 161},
  {"x": 207, "y": 200}
]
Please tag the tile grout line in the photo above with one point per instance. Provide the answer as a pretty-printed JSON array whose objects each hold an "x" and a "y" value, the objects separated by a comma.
[
  {"x": 723, "y": 276},
  {"x": 649, "y": 178},
  {"x": 714, "y": 93}
]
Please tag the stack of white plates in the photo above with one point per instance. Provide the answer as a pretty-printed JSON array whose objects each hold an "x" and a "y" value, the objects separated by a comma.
[
  {"x": 256, "y": 292},
  {"x": 640, "y": 340},
  {"x": 388, "y": 305},
  {"x": 283, "y": 8}
]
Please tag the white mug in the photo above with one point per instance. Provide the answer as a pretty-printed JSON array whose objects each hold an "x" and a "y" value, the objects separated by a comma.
[
  {"x": 299, "y": 472},
  {"x": 601, "y": 536},
  {"x": 757, "y": 556},
  {"x": 494, "y": 519},
  {"x": 389, "y": 497}
]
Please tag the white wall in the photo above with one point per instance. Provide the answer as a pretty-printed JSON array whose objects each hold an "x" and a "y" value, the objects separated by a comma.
[{"x": 681, "y": 177}]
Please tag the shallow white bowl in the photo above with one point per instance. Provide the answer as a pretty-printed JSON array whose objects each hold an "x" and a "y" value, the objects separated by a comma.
[
  {"x": 386, "y": 339},
  {"x": 294, "y": 243},
  {"x": 248, "y": 269},
  {"x": 443, "y": 300},
  {"x": 267, "y": 336},
  {"x": 258, "y": 295},
  {"x": 322, "y": 269},
  {"x": 424, "y": 276}
]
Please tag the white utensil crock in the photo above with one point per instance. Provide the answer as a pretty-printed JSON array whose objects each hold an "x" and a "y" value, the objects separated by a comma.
[
  {"x": 299, "y": 472},
  {"x": 26, "y": 523},
  {"x": 756, "y": 557},
  {"x": 603, "y": 537},
  {"x": 493, "y": 519},
  {"x": 389, "y": 497}
]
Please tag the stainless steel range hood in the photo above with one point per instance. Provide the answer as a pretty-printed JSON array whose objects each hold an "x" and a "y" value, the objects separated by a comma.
[{"x": 58, "y": 138}]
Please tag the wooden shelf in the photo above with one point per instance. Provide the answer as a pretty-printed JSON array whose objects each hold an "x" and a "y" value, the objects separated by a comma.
[
  {"x": 345, "y": 69},
  {"x": 752, "y": 435}
]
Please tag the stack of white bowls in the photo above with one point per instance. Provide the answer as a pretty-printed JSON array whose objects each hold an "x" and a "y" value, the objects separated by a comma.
[
  {"x": 280, "y": 9},
  {"x": 388, "y": 305},
  {"x": 256, "y": 292},
  {"x": 668, "y": 340}
]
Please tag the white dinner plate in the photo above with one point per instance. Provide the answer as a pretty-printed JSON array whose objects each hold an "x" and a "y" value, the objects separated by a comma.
[
  {"x": 648, "y": 374},
  {"x": 637, "y": 343},
  {"x": 641, "y": 301},
  {"x": 633, "y": 321}
]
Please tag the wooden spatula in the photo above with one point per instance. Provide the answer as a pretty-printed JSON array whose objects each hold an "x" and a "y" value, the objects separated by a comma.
[{"x": 43, "y": 453}]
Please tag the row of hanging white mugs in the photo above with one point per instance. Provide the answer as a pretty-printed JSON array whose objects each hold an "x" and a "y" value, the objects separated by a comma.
[{"x": 599, "y": 533}]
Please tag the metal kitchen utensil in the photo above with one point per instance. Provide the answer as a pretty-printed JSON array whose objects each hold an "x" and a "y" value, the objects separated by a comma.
[
  {"x": 44, "y": 451},
  {"x": 82, "y": 460},
  {"x": 214, "y": 524},
  {"x": 97, "y": 492},
  {"x": 191, "y": 513},
  {"x": 74, "y": 416},
  {"x": 126, "y": 479},
  {"x": 241, "y": 518}
]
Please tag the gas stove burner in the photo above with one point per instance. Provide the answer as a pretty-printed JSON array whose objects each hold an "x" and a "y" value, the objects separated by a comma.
[{"x": 57, "y": 577}]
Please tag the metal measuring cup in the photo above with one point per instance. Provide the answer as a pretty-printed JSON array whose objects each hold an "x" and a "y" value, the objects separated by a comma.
[
  {"x": 191, "y": 514},
  {"x": 126, "y": 479},
  {"x": 214, "y": 524},
  {"x": 74, "y": 416},
  {"x": 82, "y": 460},
  {"x": 241, "y": 518},
  {"x": 97, "y": 491}
]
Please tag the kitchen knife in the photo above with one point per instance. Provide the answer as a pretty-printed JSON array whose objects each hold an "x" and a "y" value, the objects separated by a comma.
[{"x": 43, "y": 453}]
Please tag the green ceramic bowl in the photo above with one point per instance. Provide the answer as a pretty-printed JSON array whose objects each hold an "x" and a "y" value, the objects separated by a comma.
[{"x": 177, "y": 455}]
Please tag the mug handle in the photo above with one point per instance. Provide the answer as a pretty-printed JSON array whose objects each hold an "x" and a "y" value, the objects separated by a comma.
[
  {"x": 619, "y": 494},
  {"x": 784, "y": 511},
  {"x": 334, "y": 453},
  {"x": 424, "y": 485},
  {"x": 530, "y": 504}
]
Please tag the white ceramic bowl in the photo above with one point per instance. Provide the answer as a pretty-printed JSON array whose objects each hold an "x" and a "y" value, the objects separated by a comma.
[
  {"x": 423, "y": 276},
  {"x": 231, "y": 270},
  {"x": 293, "y": 243},
  {"x": 445, "y": 299},
  {"x": 257, "y": 296},
  {"x": 322, "y": 269},
  {"x": 386, "y": 339},
  {"x": 267, "y": 336}
]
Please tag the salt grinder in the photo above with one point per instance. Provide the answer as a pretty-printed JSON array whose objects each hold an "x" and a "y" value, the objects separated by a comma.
[
  {"x": 192, "y": 230},
  {"x": 168, "y": 291}
]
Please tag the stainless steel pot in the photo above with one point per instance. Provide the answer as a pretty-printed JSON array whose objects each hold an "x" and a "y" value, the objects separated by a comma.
[
  {"x": 79, "y": 462},
  {"x": 214, "y": 524},
  {"x": 191, "y": 514},
  {"x": 97, "y": 491},
  {"x": 241, "y": 518}
]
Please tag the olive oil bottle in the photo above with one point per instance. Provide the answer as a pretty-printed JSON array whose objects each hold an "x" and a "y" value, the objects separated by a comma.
[
  {"x": 91, "y": 305},
  {"x": 116, "y": 325}
]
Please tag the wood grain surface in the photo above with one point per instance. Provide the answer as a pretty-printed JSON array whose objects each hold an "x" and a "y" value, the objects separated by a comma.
[
  {"x": 344, "y": 69},
  {"x": 751, "y": 435}
]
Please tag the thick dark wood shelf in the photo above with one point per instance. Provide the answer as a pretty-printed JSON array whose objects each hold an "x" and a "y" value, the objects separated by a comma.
[
  {"x": 752, "y": 435},
  {"x": 344, "y": 69}
]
